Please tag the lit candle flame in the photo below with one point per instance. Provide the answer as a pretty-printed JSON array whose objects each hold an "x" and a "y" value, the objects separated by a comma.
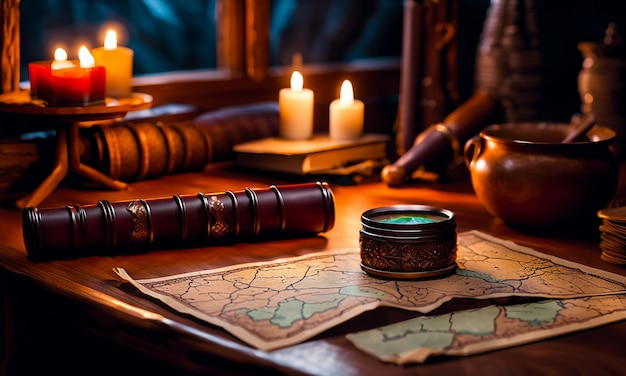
[
  {"x": 85, "y": 57},
  {"x": 297, "y": 81},
  {"x": 110, "y": 40},
  {"x": 60, "y": 54},
  {"x": 346, "y": 97},
  {"x": 60, "y": 60}
]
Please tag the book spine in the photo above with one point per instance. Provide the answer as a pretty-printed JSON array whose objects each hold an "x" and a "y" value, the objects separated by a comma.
[
  {"x": 109, "y": 228},
  {"x": 142, "y": 150}
]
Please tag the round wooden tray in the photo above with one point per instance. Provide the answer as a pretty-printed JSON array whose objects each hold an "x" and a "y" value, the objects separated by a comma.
[{"x": 20, "y": 103}]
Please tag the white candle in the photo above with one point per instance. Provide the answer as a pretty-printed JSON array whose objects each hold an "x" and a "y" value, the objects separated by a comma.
[
  {"x": 346, "y": 115},
  {"x": 118, "y": 62},
  {"x": 295, "y": 110}
]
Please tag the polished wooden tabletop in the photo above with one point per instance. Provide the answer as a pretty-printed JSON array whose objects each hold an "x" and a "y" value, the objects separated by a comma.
[{"x": 66, "y": 315}]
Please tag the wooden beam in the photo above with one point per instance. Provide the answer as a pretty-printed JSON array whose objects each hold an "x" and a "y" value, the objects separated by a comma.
[
  {"x": 257, "y": 38},
  {"x": 230, "y": 21},
  {"x": 10, "y": 42}
]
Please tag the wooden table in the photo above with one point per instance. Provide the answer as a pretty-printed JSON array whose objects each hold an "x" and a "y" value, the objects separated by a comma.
[{"x": 76, "y": 316}]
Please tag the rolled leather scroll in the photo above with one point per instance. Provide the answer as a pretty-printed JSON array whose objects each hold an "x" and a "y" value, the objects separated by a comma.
[{"x": 109, "y": 228}]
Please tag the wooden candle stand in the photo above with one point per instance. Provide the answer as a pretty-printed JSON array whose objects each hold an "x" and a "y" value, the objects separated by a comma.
[{"x": 66, "y": 121}]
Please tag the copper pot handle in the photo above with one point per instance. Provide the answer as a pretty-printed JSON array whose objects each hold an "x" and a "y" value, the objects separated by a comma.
[{"x": 471, "y": 150}]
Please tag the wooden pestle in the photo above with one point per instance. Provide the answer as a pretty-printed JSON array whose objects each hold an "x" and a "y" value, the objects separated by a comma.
[
  {"x": 440, "y": 144},
  {"x": 581, "y": 126}
]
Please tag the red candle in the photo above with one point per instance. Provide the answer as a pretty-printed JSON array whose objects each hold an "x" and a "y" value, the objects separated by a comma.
[
  {"x": 63, "y": 83},
  {"x": 40, "y": 72}
]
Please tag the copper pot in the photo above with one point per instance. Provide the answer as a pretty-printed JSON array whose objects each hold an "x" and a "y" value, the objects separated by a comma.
[{"x": 523, "y": 174}]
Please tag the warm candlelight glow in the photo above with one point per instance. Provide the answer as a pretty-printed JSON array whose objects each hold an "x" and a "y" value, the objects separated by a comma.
[
  {"x": 60, "y": 54},
  {"x": 60, "y": 60},
  {"x": 346, "y": 115},
  {"x": 118, "y": 62},
  {"x": 295, "y": 110},
  {"x": 297, "y": 81},
  {"x": 110, "y": 40},
  {"x": 346, "y": 97},
  {"x": 86, "y": 60},
  {"x": 62, "y": 82}
]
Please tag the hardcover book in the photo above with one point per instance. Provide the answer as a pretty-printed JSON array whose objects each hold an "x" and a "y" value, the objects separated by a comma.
[{"x": 317, "y": 155}]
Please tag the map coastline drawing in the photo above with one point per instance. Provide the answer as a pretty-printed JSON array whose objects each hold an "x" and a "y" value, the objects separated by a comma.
[
  {"x": 487, "y": 328},
  {"x": 287, "y": 301}
]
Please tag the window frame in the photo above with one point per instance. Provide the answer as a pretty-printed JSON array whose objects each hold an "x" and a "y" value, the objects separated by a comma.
[{"x": 243, "y": 74}]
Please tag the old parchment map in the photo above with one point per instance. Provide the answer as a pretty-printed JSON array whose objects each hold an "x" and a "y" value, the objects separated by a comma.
[
  {"x": 489, "y": 328},
  {"x": 284, "y": 302}
]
